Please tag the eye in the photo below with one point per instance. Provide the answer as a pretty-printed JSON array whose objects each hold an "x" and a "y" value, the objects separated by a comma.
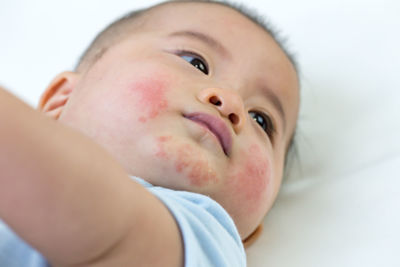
[
  {"x": 264, "y": 121},
  {"x": 195, "y": 60}
]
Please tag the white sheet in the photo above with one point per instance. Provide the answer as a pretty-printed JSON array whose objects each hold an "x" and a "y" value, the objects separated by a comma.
[{"x": 339, "y": 205}]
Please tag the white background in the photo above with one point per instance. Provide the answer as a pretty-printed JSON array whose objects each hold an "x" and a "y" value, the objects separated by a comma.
[{"x": 339, "y": 205}]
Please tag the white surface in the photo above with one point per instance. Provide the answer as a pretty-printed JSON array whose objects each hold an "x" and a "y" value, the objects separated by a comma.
[{"x": 340, "y": 204}]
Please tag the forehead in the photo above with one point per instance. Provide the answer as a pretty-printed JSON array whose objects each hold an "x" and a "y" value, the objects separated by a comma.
[
  {"x": 250, "y": 44},
  {"x": 217, "y": 20}
]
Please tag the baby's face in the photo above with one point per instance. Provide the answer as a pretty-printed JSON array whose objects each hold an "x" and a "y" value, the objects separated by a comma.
[{"x": 202, "y": 100}]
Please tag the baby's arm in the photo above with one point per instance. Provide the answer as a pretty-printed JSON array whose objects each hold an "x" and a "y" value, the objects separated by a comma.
[{"x": 70, "y": 200}]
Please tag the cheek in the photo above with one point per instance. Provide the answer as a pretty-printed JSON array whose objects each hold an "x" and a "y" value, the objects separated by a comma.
[
  {"x": 250, "y": 180},
  {"x": 150, "y": 96},
  {"x": 185, "y": 161}
]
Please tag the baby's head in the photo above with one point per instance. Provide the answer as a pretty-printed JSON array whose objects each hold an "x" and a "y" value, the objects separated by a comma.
[{"x": 188, "y": 95}]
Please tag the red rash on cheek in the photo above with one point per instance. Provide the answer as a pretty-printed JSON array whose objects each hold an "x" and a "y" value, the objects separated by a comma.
[
  {"x": 251, "y": 180},
  {"x": 151, "y": 97},
  {"x": 185, "y": 161},
  {"x": 161, "y": 143}
]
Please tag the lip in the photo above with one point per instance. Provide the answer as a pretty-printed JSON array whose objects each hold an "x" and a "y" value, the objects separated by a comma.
[{"x": 216, "y": 126}]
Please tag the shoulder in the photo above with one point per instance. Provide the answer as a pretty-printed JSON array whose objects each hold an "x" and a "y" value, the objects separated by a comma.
[{"x": 209, "y": 235}]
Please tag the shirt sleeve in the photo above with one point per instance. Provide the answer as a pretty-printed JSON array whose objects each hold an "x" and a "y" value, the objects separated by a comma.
[
  {"x": 15, "y": 252},
  {"x": 209, "y": 234}
]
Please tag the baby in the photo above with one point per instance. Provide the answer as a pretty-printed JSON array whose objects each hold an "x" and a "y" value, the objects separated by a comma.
[{"x": 187, "y": 111}]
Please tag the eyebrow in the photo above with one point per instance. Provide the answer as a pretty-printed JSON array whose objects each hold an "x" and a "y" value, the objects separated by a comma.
[
  {"x": 205, "y": 38},
  {"x": 276, "y": 102}
]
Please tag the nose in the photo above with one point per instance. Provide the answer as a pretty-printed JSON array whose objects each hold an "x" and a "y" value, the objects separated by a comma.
[{"x": 228, "y": 103}]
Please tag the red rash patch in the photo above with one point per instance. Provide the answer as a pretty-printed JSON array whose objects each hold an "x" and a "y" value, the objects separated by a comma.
[
  {"x": 151, "y": 99},
  {"x": 161, "y": 153},
  {"x": 251, "y": 180},
  {"x": 185, "y": 161}
]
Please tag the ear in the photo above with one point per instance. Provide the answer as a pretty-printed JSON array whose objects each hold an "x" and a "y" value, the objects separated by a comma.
[{"x": 58, "y": 92}]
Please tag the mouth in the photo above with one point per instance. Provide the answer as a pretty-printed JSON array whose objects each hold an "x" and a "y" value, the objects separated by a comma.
[{"x": 216, "y": 126}]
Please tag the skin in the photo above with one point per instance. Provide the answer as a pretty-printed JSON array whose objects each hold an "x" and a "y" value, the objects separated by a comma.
[{"x": 132, "y": 101}]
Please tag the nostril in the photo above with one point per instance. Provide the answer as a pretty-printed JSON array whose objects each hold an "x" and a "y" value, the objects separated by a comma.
[
  {"x": 215, "y": 100},
  {"x": 234, "y": 118}
]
